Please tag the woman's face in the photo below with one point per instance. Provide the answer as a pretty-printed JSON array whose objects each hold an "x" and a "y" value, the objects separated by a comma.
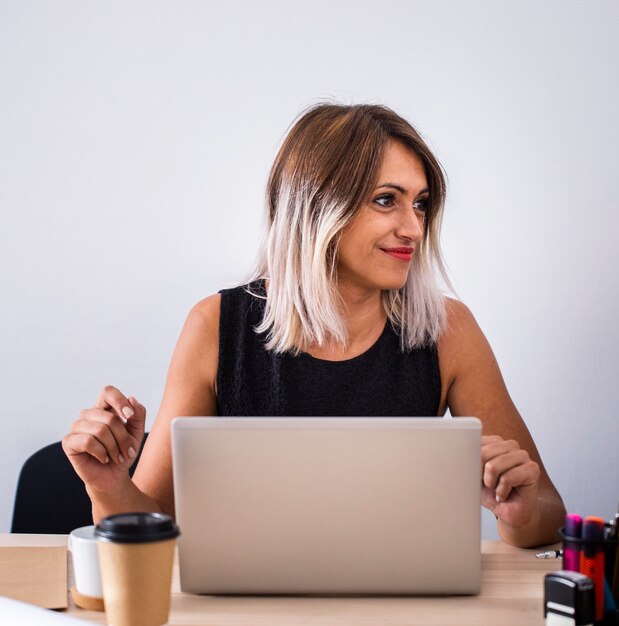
[{"x": 376, "y": 249}]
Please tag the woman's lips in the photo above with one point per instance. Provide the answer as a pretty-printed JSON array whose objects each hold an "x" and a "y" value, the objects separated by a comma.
[{"x": 402, "y": 254}]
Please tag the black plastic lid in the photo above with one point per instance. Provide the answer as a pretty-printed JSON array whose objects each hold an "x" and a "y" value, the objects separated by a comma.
[{"x": 136, "y": 528}]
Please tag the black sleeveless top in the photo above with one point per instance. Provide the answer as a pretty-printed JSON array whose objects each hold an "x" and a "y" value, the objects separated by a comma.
[{"x": 253, "y": 381}]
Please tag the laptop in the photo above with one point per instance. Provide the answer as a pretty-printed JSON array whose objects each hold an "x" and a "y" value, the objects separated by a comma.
[{"x": 387, "y": 506}]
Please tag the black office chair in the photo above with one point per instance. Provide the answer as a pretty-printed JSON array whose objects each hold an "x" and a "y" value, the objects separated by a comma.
[{"x": 51, "y": 497}]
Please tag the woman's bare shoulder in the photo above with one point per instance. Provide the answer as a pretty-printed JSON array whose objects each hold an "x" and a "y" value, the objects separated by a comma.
[
  {"x": 460, "y": 325},
  {"x": 199, "y": 339},
  {"x": 462, "y": 346},
  {"x": 207, "y": 309},
  {"x": 203, "y": 318}
]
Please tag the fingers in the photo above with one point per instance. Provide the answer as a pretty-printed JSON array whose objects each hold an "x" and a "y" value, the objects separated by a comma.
[
  {"x": 104, "y": 440},
  {"x": 505, "y": 466},
  {"x": 492, "y": 447},
  {"x": 109, "y": 431},
  {"x": 79, "y": 443},
  {"x": 136, "y": 424},
  {"x": 517, "y": 477},
  {"x": 129, "y": 411},
  {"x": 487, "y": 439},
  {"x": 112, "y": 398}
]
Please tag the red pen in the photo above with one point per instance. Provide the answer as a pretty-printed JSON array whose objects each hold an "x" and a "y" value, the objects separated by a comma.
[
  {"x": 592, "y": 559},
  {"x": 571, "y": 550}
]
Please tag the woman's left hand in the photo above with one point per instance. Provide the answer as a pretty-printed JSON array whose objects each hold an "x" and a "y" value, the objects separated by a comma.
[{"x": 510, "y": 481}]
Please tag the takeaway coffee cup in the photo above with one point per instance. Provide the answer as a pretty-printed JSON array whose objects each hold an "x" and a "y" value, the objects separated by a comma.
[
  {"x": 136, "y": 551},
  {"x": 87, "y": 592}
]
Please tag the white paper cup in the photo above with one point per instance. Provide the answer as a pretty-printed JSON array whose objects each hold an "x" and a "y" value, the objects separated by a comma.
[{"x": 83, "y": 548}]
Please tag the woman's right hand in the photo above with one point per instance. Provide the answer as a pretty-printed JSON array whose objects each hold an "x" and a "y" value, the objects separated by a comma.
[{"x": 105, "y": 440}]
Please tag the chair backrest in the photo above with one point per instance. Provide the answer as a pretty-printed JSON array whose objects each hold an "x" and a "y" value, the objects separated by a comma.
[{"x": 51, "y": 497}]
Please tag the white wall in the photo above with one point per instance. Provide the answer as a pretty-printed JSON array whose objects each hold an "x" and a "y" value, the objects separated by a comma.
[{"x": 135, "y": 140}]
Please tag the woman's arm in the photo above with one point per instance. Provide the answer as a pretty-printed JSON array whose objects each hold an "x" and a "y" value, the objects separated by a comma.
[
  {"x": 515, "y": 485},
  {"x": 190, "y": 391},
  {"x": 102, "y": 444}
]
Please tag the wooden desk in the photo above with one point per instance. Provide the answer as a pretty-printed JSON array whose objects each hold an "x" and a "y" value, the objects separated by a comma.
[{"x": 511, "y": 595}]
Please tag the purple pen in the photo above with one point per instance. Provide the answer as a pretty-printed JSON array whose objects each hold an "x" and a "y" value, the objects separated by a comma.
[{"x": 571, "y": 550}]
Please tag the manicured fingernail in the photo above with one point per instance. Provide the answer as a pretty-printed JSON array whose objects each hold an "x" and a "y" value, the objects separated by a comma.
[
  {"x": 107, "y": 459},
  {"x": 497, "y": 498},
  {"x": 121, "y": 458},
  {"x": 131, "y": 452},
  {"x": 127, "y": 411}
]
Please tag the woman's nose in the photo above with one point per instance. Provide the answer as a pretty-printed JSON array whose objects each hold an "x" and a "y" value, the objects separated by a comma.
[{"x": 411, "y": 226}]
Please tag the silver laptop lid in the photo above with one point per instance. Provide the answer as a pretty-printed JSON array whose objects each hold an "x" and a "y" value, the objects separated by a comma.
[{"x": 328, "y": 505}]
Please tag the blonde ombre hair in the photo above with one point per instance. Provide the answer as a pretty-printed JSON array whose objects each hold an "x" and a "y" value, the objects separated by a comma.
[{"x": 324, "y": 172}]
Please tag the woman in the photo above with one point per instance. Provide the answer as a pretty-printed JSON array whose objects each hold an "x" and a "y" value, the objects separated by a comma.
[{"x": 342, "y": 316}]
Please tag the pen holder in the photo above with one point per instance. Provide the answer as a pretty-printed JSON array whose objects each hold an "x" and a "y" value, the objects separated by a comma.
[{"x": 610, "y": 547}]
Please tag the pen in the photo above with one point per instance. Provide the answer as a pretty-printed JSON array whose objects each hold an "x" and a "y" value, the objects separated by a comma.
[
  {"x": 609, "y": 601},
  {"x": 550, "y": 554},
  {"x": 613, "y": 577},
  {"x": 592, "y": 559},
  {"x": 571, "y": 551}
]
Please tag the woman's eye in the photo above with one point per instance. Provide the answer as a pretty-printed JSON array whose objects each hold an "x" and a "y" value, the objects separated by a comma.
[
  {"x": 421, "y": 205},
  {"x": 387, "y": 200}
]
